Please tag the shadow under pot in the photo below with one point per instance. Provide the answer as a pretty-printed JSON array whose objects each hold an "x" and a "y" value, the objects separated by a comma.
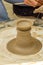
[{"x": 25, "y": 11}]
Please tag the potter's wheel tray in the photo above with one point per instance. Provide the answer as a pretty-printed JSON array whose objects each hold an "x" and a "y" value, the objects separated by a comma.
[{"x": 6, "y": 36}]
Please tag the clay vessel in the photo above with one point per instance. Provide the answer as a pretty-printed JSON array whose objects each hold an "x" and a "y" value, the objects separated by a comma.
[{"x": 24, "y": 43}]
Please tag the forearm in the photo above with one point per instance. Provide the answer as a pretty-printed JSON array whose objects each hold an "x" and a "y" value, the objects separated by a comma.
[{"x": 3, "y": 13}]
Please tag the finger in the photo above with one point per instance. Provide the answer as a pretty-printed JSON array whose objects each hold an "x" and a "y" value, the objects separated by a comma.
[
  {"x": 40, "y": 1},
  {"x": 39, "y": 10},
  {"x": 33, "y": 2},
  {"x": 38, "y": 4},
  {"x": 30, "y": 2}
]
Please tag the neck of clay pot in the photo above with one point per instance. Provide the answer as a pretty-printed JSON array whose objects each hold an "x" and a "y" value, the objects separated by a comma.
[{"x": 24, "y": 39}]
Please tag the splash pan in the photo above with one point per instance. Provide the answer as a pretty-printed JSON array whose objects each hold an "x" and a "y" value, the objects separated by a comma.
[{"x": 9, "y": 34}]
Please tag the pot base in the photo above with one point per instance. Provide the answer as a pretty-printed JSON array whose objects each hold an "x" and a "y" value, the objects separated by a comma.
[{"x": 12, "y": 47}]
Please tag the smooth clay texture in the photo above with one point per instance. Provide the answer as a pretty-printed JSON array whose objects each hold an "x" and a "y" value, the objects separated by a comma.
[{"x": 24, "y": 44}]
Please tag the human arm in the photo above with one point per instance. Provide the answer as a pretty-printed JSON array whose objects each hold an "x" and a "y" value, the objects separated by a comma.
[{"x": 3, "y": 12}]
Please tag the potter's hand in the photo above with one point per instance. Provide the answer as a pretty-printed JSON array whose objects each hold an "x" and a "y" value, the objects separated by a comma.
[
  {"x": 33, "y": 3},
  {"x": 39, "y": 10}
]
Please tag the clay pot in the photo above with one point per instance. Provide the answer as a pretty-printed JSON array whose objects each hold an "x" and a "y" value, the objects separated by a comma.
[{"x": 24, "y": 43}]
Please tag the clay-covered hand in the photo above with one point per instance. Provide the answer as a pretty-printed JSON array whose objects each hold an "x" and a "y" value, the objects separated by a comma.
[
  {"x": 39, "y": 10},
  {"x": 33, "y": 3}
]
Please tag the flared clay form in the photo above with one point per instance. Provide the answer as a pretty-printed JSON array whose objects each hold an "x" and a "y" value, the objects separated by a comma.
[{"x": 24, "y": 43}]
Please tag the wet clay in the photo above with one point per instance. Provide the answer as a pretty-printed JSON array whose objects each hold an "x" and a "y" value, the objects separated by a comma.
[{"x": 24, "y": 43}]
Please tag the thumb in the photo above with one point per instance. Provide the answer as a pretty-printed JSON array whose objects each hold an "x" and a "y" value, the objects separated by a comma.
[{"x": 39, "y": 10}]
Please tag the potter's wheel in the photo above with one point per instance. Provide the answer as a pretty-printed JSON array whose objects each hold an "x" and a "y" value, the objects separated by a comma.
[{"x": 8, "y": 57}]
